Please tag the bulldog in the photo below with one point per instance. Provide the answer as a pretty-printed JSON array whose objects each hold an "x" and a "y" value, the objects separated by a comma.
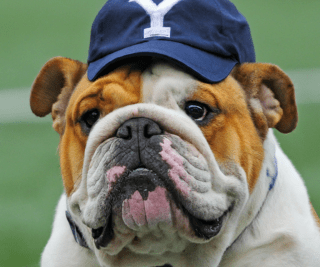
[{"x": 162, "y": 169}]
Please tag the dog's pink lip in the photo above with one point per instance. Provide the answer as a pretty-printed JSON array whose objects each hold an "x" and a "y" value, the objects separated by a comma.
[{"x": 147, "y": 212}]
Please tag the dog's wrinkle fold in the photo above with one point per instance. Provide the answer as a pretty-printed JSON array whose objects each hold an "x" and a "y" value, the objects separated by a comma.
[
  {"x": 121, "y": 157},
  {"x": 96, "y": 181},
  {"x": 206, "y": 206},
  {"x": 201, "y": 178},
  {"x": 161, "y": 241},
  {"x": 195, "y": 178},
  {"x": 110, "y": 155},
  {"x": 97, "y": 170},
  {"x": 189, "y": 152},
  {"x": 195, "y": 163},
  {"x": 122, "y": 237}
]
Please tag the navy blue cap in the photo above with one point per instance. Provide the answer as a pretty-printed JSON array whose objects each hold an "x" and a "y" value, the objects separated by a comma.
[{"x": 209, "y": 37}]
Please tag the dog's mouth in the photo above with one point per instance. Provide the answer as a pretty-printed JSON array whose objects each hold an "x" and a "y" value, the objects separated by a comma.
[
  {"x": 202, "y": 228},
  {"x": 151, "y": 190},
  {"x": 103, "y": 235}
]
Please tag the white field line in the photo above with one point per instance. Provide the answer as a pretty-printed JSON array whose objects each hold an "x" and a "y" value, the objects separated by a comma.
[
  {"x": 14, "y": 103},
  {"x": 15, "y": 107}
]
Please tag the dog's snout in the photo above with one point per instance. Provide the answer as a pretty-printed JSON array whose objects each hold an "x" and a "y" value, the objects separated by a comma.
[{"x": 141, "y": 128}]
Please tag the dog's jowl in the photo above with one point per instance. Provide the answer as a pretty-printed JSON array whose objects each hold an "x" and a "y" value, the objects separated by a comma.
[{"x": 167, "y": 151}]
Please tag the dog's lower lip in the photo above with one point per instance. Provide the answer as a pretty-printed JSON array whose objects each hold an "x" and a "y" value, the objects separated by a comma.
[
  {"x": 96, "y": 233},
  {"x": 202, "y": 228},
  {"x": 208, "y": 229},
  {"x": 103, "y": 235}
]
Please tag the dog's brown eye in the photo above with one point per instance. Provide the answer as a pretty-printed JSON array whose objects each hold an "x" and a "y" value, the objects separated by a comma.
[
  {"x": 90, "y": 117},
  {"x": 196, "y": 110}
]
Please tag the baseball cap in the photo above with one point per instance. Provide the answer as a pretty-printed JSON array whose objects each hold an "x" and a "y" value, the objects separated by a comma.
[{"x": 208, "y": 37}]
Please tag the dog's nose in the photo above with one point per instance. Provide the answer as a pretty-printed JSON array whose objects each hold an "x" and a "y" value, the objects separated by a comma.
[{"x": 140, "y": 128}]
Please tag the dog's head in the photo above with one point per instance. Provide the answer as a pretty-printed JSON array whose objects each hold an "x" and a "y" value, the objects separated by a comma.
[{"x": 157, "y": 163}]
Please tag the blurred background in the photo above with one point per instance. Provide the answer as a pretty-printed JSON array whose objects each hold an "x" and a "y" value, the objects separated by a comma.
[{"x": 286, "y": 33}]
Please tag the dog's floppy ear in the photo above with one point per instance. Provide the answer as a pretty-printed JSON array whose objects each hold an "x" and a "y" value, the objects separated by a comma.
[
  {"x": 53, "y": 87},
  {"x": 270, "y": 96}
]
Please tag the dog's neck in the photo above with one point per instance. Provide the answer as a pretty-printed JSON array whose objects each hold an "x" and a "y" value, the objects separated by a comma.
[
  {"x": 267, "y": 180},
  {"x": 263, "y": 188}
]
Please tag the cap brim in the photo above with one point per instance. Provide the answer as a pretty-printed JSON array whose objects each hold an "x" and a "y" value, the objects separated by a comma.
[{"x": 192, "y": 58}]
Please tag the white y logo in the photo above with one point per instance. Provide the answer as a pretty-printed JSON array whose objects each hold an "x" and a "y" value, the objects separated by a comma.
[{"x": 156, "y": 13}]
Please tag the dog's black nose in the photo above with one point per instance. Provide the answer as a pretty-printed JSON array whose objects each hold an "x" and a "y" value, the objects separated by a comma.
[{"x": 138, "y": 128}]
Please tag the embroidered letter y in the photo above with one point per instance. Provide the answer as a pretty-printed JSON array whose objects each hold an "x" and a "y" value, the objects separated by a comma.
[{"x": 156, "y": 13}]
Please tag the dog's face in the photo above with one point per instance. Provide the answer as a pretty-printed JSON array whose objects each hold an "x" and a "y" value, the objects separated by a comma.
[{"x": 155, "y": 162}]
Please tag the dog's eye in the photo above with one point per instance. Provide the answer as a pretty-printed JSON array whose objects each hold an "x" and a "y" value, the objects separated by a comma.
[
  {"x": 90, "y": 117},
  {"x": 196, "y": 110}
]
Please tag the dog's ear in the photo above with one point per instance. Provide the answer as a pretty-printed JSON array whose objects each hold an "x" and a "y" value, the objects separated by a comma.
[
  {"x": 53, "y": 87},
  {"x": 270, "y": 96}
]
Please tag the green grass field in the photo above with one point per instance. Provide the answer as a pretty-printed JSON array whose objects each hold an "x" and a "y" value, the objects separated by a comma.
[{"x": 284, "y": 32}]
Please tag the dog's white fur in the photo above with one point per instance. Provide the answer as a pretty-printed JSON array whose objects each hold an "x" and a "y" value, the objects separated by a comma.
[{"x": 273, "y": 228}]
